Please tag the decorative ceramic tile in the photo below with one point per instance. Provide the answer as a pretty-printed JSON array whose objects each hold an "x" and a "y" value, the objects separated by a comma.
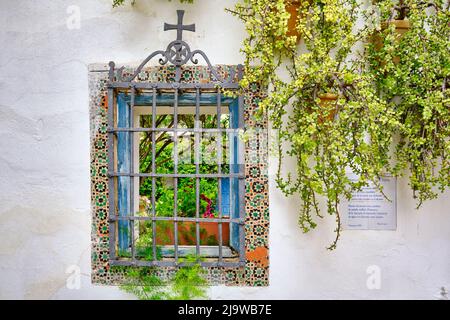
[{"x": 256, "y": 270}]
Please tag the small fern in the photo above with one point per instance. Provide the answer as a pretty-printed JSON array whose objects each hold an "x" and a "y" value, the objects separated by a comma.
[{"x": 188, "y": 282}]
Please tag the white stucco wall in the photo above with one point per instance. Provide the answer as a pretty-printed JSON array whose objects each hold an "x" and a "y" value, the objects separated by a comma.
[{"x": 44, "y": 165}]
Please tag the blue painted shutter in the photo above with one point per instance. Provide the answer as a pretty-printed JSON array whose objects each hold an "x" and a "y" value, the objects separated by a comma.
[
  {"x": 234, "y": 168},
  {"x": 123, "y": 166},
  {"x": 225, "y": 190}
]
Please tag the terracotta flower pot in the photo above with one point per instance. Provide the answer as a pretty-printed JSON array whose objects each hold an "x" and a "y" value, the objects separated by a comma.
[
  {"x": 293, "y": 8},
  {"x": 209, "y": 233},
  {"x": 328, "y": 104},
  {"x": 401, "y": 27}
]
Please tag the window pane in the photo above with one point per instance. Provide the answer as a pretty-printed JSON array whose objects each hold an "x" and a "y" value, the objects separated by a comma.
[
  {"x": 165, "y": 238},
  {"x": 208, "y": 152},
  {"x": 209, "y": 234},
  {"x": 186, "y": 233},
  {"x": 164, "y": 196},
  {"x": 145, "y": 121},
  {"x": 226, "y": 150},
  {"x": 144, "y": 241},
  {"x": 164, "y": 121},
  {"x": 208, "y": 120},
  {"x": 186, "y": 152},
  {"x": 225, "y": 120},
  {"x": 186, "y": 117},
  {"x": 164, "y": 152},
  {"x": 208, "y": 198},
  {"x": 186, "y": 197}
]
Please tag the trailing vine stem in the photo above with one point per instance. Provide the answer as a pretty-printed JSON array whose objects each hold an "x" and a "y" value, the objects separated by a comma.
[{"x": 338, "y": 229}]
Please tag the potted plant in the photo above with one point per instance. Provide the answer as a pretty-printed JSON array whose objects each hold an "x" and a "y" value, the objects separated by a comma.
[
  {"x": 209, "y": 233},
  {"x": 324, "y": 111},
  {"x": 298, "y": 12},
  {"x": 399, "y": 17},
  {"x": 394, "y": 25},
  {"x": 418, "y": 90},
  {"x": 328, "y": 106},
  {"x": 335, "y": 112},
  {"x": 266, "y": 23},
  {"x": 292, "y": 7}
]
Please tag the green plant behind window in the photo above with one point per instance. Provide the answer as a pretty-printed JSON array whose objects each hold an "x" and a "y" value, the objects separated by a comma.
[{"x": 164, "y": 143}]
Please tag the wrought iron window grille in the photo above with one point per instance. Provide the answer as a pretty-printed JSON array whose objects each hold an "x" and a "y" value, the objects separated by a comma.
[{"x": 176, "y": 93}]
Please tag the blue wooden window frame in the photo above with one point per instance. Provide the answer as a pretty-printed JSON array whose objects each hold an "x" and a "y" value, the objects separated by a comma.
[{"x": 124, "y": 159}]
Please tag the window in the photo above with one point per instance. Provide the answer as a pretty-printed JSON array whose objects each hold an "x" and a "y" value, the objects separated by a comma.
[
  {"x": 150, "y": 205},
  {"x": 177, "y": 178}
]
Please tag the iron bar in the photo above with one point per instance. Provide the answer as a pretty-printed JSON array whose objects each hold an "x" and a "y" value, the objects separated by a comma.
[
  {"x": 197, "y": 170},
  {"x": 111, "y": 189},
  {"x": 182, "y": 130},
  {"x": 219, "y": 170},
  {"x": 179, "y": 175},
  {"x": 131, "y": 178},
  {"x": 169, "y": 86},
  {"x": 175, "y": 170},
  {"x": 146, "y": 263},
  {"x": 178, "y": 219},
  {"x": 153, "y": 201}
]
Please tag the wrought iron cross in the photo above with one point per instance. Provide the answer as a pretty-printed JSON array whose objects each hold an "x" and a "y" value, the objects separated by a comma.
[{"x": 179, "y": 26}]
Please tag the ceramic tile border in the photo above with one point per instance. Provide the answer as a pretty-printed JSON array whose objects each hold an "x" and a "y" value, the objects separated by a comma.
[{"x": 256, "y": 270}]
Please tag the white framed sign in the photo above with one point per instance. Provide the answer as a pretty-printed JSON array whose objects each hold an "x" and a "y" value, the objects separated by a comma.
[{"x": 369, "y": 209}]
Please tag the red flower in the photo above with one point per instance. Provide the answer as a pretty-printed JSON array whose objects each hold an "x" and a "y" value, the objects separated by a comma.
[{"x": 208, "y": 213}]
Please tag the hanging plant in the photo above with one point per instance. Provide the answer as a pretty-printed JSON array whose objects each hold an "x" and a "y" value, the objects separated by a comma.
[
  {"x": 336, "y": 122},
  {"x": 393, "y": 26},
  {"x": 416, "y": 85},
  {"x": 295, "y": 8},
  {"x": 266, "y": 24}
]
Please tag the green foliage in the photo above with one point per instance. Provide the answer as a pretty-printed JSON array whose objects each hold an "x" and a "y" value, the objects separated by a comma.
[
  {"x": 375, "y": 98},
  {"x": 144, "y": 248},
  {"x": 266, "y": 26},
  {"x": 164, "y": 154},
  {"x": 118, "y": 3},
  {"x": 187, "y": 283},
  {"x": 417, "y": 85},
  {"x": 144, "y": 284}
]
